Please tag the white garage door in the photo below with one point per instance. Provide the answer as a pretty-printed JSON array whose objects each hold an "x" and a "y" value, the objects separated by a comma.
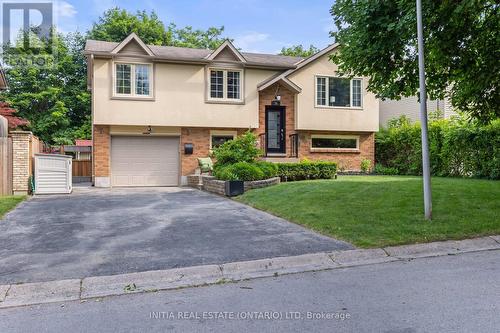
[{"x": 144, "y": 161}]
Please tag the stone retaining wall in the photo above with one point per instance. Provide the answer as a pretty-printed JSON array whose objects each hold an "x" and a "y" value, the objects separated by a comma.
[{"x": 210, "y": 184}]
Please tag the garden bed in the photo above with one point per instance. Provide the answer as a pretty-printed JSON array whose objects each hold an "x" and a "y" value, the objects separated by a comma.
[{"x": 210, "y": 184}]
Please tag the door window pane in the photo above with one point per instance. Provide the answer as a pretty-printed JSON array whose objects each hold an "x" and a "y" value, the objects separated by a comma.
[{"x": 273, "y": 129}]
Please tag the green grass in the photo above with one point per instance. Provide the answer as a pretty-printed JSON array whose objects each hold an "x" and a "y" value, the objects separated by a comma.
[
  {"x": 375, "y": 211},
  {"x": 9, "y": 202}
]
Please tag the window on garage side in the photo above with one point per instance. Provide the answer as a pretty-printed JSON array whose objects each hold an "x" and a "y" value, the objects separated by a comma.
[{"x": 218, "y": 138}]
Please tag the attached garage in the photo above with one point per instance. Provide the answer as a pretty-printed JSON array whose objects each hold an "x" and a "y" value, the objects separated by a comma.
[{"x": 144, "y": 161}]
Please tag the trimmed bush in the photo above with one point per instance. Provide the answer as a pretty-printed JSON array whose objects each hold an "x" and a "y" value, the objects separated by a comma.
[
  {"x": 307, "y": 170},
  {"x": 269, "y": 169},
  {"x": 457, "y": 148},
  {"x": 239, "y": 171}
]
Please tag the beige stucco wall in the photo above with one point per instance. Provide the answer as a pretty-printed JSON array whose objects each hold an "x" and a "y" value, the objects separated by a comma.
[
  {"x": 310, "y": 117},
  {"x": 179, "y": 92}
]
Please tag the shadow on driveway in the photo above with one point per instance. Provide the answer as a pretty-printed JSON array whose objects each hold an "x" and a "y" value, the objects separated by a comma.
[{"x": 113, "y": 231}]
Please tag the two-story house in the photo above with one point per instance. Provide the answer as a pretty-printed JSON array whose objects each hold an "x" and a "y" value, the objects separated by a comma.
[{"x": 156, "y": 109}]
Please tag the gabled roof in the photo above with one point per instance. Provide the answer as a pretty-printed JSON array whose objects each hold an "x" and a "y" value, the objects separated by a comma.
[
  {"x": 199, "y": 56},
  {"x": 229, "y": 46},
  {"x": 282, "y": 77},
  {"x": 132, "y": 38}
]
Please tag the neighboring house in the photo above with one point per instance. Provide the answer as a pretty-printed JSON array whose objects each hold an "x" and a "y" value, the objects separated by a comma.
[
  {"x": 410, "y": 107},
  {"x": 156, "y": 109},
  {"x": 81, "y": 150}
]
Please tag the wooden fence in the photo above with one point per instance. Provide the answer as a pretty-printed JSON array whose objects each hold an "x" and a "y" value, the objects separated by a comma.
[
  {"x": 82, "y": 171},
  {"x": 5, "y": 166}
]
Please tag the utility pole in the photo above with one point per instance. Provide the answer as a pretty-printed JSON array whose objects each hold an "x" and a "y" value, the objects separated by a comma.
[{"x": 426, "y": 172}]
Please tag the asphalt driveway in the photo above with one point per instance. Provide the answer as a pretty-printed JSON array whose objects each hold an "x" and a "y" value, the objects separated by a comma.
[{"x": 112, "y": 231}]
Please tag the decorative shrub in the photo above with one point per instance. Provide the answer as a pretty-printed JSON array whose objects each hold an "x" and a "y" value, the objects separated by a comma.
[
  {"x": 457, "y": 148},
  {"x": 307, "y": 170},
  {"x": 241, "y": 149},
  {"x": 269, "y": 169},
  {"x": 366, "y": 166},
  {"x": 239, "y": 171}
]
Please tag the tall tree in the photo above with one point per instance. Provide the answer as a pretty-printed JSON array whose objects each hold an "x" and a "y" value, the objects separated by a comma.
[
  {"x": 201, "y": 39},
  {"x": 53, "y": 97},
  {"x": 116, "y": 24},
  {"x": 299, "y": 51},
  {"x": 462, "y": 49}
]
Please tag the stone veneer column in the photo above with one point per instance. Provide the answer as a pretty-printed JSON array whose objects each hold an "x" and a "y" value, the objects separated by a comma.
[{"x": 101, "y": 150}]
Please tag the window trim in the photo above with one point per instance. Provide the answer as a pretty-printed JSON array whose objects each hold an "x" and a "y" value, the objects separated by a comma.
[
  {"x": 334, "y": 136},
  {"x": 327, "y": 77},
  {"x": 133, "y": 94},
  {"x": 224, "y": 99},
  {"x": 213, "y": 133}
]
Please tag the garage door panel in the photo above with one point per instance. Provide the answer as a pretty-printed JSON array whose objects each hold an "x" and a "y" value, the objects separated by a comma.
[{"x": 144, "y": 161}]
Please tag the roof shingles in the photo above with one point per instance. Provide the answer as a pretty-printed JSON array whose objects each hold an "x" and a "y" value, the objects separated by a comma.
[{"x": 188, "y": 54}]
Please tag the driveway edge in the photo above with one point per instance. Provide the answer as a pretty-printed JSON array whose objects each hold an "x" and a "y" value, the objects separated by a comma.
[{"x": 15, "y": 295}]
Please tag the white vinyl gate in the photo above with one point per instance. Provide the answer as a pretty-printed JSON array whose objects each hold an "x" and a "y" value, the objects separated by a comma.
[{"x": 53, "y": 174}]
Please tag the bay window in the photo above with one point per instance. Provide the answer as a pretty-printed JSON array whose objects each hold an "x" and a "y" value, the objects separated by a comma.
[{"x": 338, "y": 92}]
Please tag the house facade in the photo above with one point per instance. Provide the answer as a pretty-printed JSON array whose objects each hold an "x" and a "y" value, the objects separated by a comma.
[
  {"x": 410, "y": 108},
  {"x": 156, "y": 109}
]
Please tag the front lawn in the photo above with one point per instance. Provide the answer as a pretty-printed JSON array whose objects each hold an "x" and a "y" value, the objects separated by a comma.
[
  {"x": 376, "y": 211},
  {"x": 9, "y": 202}
]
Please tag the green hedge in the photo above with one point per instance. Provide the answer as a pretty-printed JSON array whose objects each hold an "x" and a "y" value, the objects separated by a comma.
[
  {"x": 246, "y": 171},
  {"x": 307, "y": 170},
  {"x": 457, "y": 148}
]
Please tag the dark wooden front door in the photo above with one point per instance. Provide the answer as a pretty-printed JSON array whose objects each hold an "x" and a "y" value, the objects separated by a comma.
[{"x": 275, "y": 129}]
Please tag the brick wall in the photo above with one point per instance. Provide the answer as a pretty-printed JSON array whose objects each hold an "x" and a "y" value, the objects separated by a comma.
[
  {"x": 288, "y": 100},
  {"x": 101, "y": 151},
  {"x": 24, "y": 147},
  {"x": 345, "y": 160},
  {"x": 200, "y": 138},
  {"x": 20, "y": 161}
]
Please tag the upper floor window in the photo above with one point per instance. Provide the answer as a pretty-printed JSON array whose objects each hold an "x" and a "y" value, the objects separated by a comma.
[
  {"x": 133, "y": 80},
  {"x": 225, "y": 84},
  {"x": 338, "y": 92}
]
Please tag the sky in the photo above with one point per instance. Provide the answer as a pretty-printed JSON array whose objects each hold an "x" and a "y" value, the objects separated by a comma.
[{"x": 255, "y": 25}]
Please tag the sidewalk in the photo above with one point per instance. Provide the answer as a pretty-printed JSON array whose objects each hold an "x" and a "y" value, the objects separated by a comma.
[{"x": 102, "y": 286}]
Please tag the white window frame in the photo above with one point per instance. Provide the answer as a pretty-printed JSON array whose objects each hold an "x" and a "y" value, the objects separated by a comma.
[
  {"x": 234, "y": 134},
  {"x": 224, "y": 98},
  {"x": 327, "y": 82},
  {"x": 326, "y": 136},
  {"x": 133, "y": 93}
]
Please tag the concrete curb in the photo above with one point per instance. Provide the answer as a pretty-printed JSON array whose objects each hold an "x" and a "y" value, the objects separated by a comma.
[{"x": 101, "y": 286}]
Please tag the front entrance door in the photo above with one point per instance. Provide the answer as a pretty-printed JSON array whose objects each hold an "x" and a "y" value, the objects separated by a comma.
[{"x": 275, "y": 129}]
